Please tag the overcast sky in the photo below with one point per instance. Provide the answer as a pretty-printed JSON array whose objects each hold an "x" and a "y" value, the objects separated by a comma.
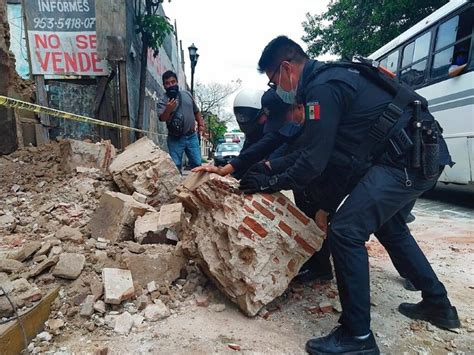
[{"x": 230, "y": 35}]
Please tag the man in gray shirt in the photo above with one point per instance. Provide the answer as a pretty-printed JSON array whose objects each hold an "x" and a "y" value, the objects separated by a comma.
[{"x": 178, "y": 109}]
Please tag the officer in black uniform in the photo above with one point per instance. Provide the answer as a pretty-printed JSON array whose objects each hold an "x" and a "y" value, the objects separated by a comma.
[
  {"x": 268, "y": 117},
  {"x": 360, "y": 125}
]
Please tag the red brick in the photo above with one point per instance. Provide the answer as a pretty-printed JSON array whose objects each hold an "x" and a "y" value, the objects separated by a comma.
[
  {"x": 285, "y": 228},
  {"x": 249, "y": 197},
  {"x": 302, "y": 218},
  {"x": 279, "y": 211},
  {"x": 263, "y": 210},
  {"x": 281, "y": 200},
  {"x": 269, "y": 197},
  {"x": 248, "y": 209},
  {"x": 246, "y": 232},
  {"x": 308, "y": 248},
  {"x": 255, "y": 226},
  {"x": 292, "y": 265},
  {"x": 325, "y": 307},
  {"x": 266, "y": 202}
]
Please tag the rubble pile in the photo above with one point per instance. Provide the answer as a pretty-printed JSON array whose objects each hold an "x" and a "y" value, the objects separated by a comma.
[
  {"x": 123, "y": 259},
  {"x": 62, "y": 223},
  {"x": 252, "y": 246}
]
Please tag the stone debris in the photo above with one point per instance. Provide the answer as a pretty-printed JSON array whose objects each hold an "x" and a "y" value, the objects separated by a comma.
[
  {"x": 144, "y": 168},
  {"x": 120, "y": 212},
  {"x": 162, "y": 267},
  {"x": 155, "y": 312},
  {"x": 87, "y": 307},
  {"x": 43, "y": 266},
  {"x": 68, "y": 233},
  {"x": 7, "y": 223},
  {"x": 160, "y": 227},
  {"x": 10, "y": 265},
  {"x": 69, "y": 266},
  {"x": 118, "y": 285},
  {"x": 76, "y": 154},
  {"x": 124, "y": 323},
  {"x": 251, "y": 246},
  {"x": 26, "y": 251}
]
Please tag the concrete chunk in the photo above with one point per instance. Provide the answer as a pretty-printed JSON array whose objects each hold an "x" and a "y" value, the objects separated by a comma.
[
  {"x": 25, "y": 251},
  {"x": 10, "y": 265},
  {"x": 70, "y": 266},
  {"x": 143, "y": 167},
  {"x": 68, "y": 233},
  {"x": 118, "y": 285},
  {"x": 76, "y": 153},
  {"x": 87, "y": 307},
  {"x": 115, "y": 216},
  {"x": 124, "y": 323},
  {"x": 157, "y": 311},
  {"x": 252, "y": 246}
]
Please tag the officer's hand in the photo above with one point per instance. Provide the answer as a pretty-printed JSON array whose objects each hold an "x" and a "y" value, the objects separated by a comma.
[
  {"x": 262, "y": 167},
  {"x": 321, "y": 219},
  {"x": 254, "y": 182},
  {"x": 171, "y": 105},
  {"x": 222, "y": 171}
]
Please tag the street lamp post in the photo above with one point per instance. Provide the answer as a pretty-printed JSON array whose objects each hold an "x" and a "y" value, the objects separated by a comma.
[{"x": 193, "y": 57}]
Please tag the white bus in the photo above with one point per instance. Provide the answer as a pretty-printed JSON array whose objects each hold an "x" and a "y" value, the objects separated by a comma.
[{"x": 424, "y": 57}]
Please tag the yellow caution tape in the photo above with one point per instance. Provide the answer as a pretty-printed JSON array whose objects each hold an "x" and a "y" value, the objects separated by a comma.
[{"x": 23, "y": 105}]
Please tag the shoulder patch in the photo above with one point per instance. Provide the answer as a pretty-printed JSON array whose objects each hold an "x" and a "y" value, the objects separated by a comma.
[{"x": 313, "y": 111}]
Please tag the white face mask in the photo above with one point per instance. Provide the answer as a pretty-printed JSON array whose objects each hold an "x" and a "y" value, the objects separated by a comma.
[{"x": 288, "y": 97}]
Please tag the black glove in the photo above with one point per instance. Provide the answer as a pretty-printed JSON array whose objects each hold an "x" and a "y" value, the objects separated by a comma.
[
  {"x": 260, "y": 168},
  {"x": 254, "y": 182}
]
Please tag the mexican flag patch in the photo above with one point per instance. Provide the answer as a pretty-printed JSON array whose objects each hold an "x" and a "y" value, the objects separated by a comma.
[{"x": 313, "y": 111}]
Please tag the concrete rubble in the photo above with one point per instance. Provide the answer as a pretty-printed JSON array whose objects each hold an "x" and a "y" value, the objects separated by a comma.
[
  {"x": 127, "y": 259},
  {"x": 144, "y": 168},
  {"x": 251, "y": 246},
  {"x": 76, "y": 153},
  {"x": 115, "y": 216}
]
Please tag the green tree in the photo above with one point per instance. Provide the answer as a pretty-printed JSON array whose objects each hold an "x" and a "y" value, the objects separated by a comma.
[
  {"x": 153, "y": 29},
  {"x": 352, "y": 27},
  {"x": 216, "y": 127}
]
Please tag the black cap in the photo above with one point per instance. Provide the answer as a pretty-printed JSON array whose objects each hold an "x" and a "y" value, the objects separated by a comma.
[{"x": 275, "y": 109}]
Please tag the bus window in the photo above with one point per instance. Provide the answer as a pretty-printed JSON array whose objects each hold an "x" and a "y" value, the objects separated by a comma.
[
  {"x": 453, "y": 56},
  {"x": 392, "y": 62},
  {"x": 454, "y": 33},
  {"x": 413, "y": 53},
  {"x": 383, "y": 62},
  {"x": 447, "y": 33}
]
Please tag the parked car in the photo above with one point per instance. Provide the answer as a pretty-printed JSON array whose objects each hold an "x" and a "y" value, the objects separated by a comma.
[{"x": 225, "y": 152}]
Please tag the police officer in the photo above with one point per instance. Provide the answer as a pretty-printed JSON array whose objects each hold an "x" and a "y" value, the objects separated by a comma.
[
  {"x": 280, "y": 123},
  {"x": 359, "y": 124}
]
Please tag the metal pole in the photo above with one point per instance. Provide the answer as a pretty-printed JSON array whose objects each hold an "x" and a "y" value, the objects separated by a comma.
[{"x": 192, "y": 79}]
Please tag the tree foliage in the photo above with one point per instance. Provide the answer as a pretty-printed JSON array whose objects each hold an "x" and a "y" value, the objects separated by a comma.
[
  {"x": 352, "y": 27},
  {"x": 212, "y": 98}
]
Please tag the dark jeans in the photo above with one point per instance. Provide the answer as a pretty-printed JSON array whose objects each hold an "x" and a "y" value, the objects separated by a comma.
[
  {"x": 185, "y": 144},
  {"x": 319, "y": 262},
  {"x": 379, "y": 204}
]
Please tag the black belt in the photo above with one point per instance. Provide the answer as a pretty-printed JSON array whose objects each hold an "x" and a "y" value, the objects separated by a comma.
[{"x": 190, "y": 133}]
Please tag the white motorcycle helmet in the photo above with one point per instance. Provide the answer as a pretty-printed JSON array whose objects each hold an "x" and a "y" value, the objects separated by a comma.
[{"x": 247, "y": 107}]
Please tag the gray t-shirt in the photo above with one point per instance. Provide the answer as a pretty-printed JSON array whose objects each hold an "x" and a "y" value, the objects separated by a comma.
[{"x": 186, "y": 109}]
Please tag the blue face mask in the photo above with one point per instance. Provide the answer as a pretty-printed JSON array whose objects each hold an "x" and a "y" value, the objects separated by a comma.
[
  {"x": 290, "y": 129},
  {"x": 288, "y": 97}
]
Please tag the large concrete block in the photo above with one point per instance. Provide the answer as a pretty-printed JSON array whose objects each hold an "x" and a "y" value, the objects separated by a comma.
[
  {"x": 144, "y": 168},
  {"x": 76, "y": 153},
  {"x": 250, "y": 245},
  {"x": 118, "y": 285},
  {"x": 114, "y": 218}
]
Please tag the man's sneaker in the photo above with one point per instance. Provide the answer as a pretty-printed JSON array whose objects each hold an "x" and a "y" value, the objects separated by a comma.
[
  {"x": 446, "y": 317},
  {"x": 306, "y": 276},
  {"x": 340, "y": 342}
]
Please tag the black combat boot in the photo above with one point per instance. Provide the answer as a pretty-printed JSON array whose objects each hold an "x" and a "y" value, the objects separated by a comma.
[
  {"x": 443, "y": 317},
  {"x": 340, "y": 342}
]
